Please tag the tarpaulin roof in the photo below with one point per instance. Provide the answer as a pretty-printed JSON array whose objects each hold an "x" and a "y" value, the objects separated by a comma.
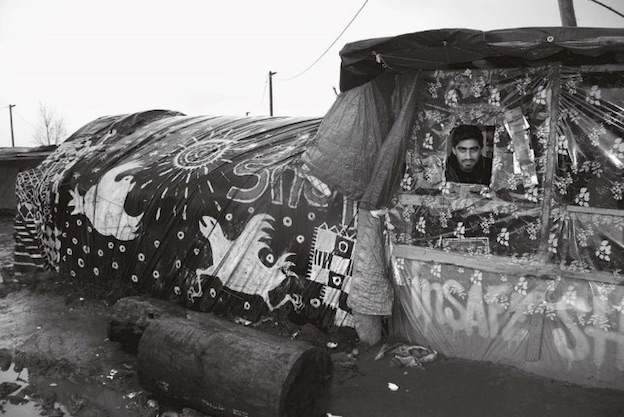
[
  {"x": 218, "y": 212},
  {"x": 468, "y": 48}
]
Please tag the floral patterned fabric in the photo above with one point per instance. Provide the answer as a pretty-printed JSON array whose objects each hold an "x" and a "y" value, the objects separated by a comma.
[
  {"x": 506, "y": 217},
  {"x": 590, "y": 171},
  {"x": 554, "y": 204}
]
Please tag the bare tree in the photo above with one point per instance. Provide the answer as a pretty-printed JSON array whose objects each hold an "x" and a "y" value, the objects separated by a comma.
[{"x": 50, "y": 128}]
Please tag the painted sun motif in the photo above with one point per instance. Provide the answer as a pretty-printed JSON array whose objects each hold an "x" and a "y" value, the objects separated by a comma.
[
  {"x": 191, "y": 163},
  {"x": 203, "y": 155}
]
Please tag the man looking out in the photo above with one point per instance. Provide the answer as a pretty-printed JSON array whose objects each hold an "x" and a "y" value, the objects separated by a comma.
[{"x": 465, "y": 164}]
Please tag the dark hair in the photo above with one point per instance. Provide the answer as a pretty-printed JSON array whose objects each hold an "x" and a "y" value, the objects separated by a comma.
[{"x": 463, "y": 132}]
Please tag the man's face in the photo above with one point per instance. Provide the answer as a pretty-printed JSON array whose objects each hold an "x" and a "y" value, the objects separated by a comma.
[{"x": 468, "y": 152}]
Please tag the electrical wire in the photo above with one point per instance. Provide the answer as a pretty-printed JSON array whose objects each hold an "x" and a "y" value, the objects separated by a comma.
[
  {"x": 24, "y": 119},
  {"x": 329, "y": 47},
  {"x": 607, "y": 7}
]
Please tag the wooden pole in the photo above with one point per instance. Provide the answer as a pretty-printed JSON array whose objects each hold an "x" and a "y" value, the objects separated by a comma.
[
  {"x": 271, "y": 74},
  {"x": 566, "y": 10},
  {"x": 11, "y": 118}
]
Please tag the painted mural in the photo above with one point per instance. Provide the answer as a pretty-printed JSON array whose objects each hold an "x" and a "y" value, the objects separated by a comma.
[
  {"x": 563, "y": 328},
  {"x": 218, "y": 212}
]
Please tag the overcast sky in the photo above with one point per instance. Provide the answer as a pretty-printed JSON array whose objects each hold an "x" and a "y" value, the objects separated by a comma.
[{"x": 87, "y": 59}]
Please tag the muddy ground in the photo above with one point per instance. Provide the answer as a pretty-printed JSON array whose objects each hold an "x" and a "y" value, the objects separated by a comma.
[{"x": 53, "y": 344}]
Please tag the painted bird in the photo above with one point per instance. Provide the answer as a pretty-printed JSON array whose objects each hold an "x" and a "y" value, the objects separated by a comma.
[
  {"x": 237, "y": 263},
  {"x": 103, "y": 204}
]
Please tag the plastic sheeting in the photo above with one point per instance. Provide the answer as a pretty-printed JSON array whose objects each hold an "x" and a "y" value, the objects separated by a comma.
[
  {"x": 571, "y": 330},
  {"x": 450, "y": 49},
  {"x": 219, "y": 212},
  {"x": 526, "y": 270}
]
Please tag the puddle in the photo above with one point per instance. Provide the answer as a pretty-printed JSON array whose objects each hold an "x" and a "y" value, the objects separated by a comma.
[
  {"x": 7, "y": 407},
  {"x": 40, "y": 395}
]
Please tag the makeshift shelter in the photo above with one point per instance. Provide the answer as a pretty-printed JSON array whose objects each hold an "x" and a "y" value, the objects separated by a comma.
[
  {"x": 218, "y": 212},
  {"x": 244, "y": 215},
  {"x": 12, "y": 162},
  {"x": 525, "y": 270}
]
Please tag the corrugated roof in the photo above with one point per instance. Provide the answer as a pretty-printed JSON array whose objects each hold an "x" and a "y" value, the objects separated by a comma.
[{"x": 22, "y": 153}]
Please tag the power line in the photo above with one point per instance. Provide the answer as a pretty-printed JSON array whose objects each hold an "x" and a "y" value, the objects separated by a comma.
[
  {"x": 329, "y": 47},
  {"x": 607, "y": 7},
  {"x": 24, "y": 119}
]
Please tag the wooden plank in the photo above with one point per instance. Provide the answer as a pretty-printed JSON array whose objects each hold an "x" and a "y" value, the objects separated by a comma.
[
  {"x": 501, "y": 265},
  {"x": 601, "y": 68},
  {"x": 551, "y": 155},
  {"x": 488, "y": 204},
  {"x": 534, "y": 342},
  {"x": 596, "y": 211}
]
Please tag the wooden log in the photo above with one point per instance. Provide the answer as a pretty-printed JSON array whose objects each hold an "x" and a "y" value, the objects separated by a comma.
[
  {"x": 131, "y": 315},
  {"x": 224, "y": 369}
]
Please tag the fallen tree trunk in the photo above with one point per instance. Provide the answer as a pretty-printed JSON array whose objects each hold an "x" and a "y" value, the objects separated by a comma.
[
  {"x": 220, "y": 368},
  {"x": 131, "y": 315}
]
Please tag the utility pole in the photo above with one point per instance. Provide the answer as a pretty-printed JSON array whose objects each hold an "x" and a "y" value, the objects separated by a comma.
[
  {"x": 11, "y": 119},
  {"x": 271, "y": 74},
  {"x": 566, "y": 10}
]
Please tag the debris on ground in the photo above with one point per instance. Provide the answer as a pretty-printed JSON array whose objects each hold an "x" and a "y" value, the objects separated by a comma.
[{"x": 407, "y": 356}]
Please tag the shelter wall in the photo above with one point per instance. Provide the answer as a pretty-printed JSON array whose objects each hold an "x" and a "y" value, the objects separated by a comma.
[{"x": 526, "y": 269}]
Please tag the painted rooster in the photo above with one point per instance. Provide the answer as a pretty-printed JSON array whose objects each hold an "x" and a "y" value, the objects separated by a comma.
[{"x": 237, "y": 263}]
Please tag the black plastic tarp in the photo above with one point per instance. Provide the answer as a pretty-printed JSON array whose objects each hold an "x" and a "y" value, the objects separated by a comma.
[{"x": 468, "y": 48}]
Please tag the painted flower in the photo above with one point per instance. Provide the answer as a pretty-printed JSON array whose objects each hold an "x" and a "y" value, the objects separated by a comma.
[
  {"x": 552, "y": 243},
  {"x": 486, "y": 223},
  {"x": 421, "y": 225},
  {"x": 476, "y": 277},
  {"x": 617, "y": 190},
  {"x": 604, "y": 290},
  {"x": 533, "y": 230},
  {"x": 521, "y": 286},
  {"x": 406, "y": 182},
  {"x": 563, "y": 183},
  {"x": 582, "y": 237},
  {"x": 531, "y": 194},
  {"x": 494, "y": 98},
  {"x": 618, "y": 148},
  {"x": 436, "y": 270},
  {"x": 444, "y": 218},
  {"x": 562, "y": 145},
  {"x": 540, "y": 95},
  {"x": 503, "y": 237},
  {"x": 604, "y": 251},
  {"x": 433, "y": 88},
  {"x": 428, "y": 142},
  {"x": 570, "y": 296},
  {"x": 451, "y": 98},
  {"x": 582, "y": 198},
  {"x": 595, "y": 94},
  {"x": 595, "y": 134},
  {"x": 457, "y": 290},
  {"x": 460, "y": 230}
]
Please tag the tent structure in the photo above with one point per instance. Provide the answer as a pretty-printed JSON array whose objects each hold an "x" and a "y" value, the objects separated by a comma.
[
  {"x": 525, "y": 270},
  {"x": 249, "y": 215},
  {"x": 217, "y": 212}
]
